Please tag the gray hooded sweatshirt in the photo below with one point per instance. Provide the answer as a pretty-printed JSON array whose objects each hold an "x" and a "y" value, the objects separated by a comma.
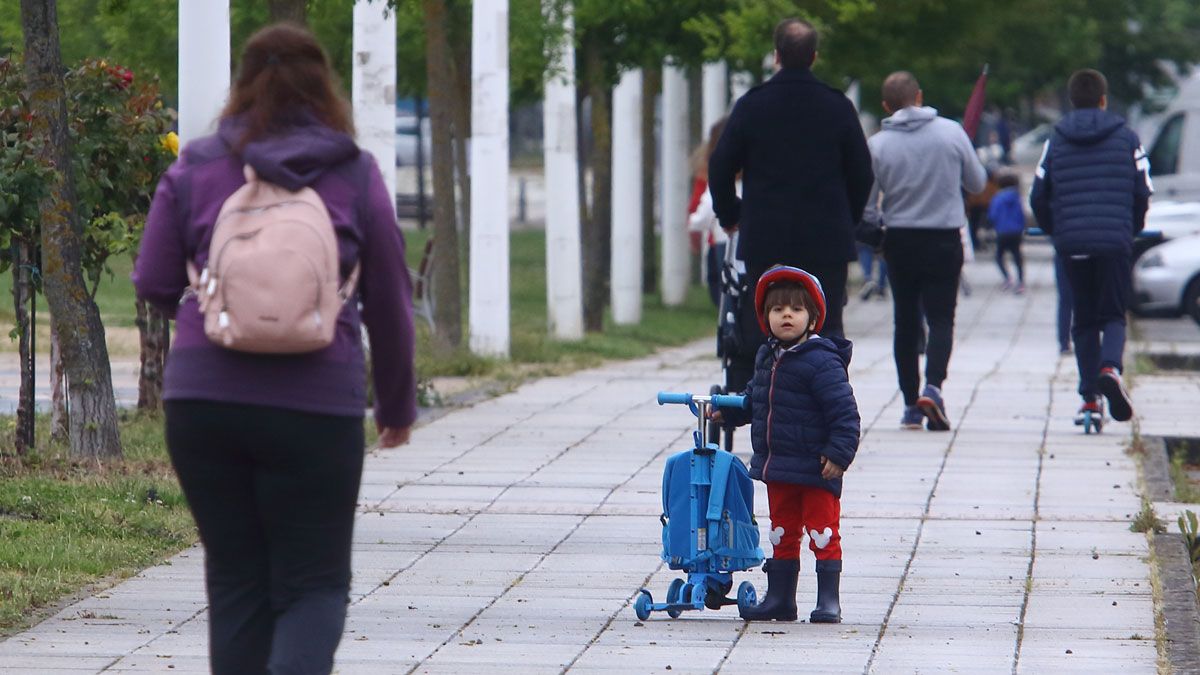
[{"x": 922, "y": 164}]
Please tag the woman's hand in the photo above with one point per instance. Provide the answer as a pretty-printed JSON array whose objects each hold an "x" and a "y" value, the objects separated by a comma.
[
  {"x": 393, "y": 437},
  {"x": 829, "y": 470}
]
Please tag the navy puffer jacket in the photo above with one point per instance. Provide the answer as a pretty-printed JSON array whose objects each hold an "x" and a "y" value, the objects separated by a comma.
[
  {"x": 1092, "y": 186},
  {"x": 801, "y": 409}
]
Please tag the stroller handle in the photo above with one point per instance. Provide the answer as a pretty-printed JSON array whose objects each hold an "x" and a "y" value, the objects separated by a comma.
[{"x": 718, "y": 400}]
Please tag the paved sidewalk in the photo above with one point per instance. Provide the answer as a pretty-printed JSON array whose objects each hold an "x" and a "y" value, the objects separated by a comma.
[{"x": 512, "y": 536}]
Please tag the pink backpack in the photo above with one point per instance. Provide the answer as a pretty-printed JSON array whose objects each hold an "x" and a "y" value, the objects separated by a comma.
[{"x": 271, "y": 284}]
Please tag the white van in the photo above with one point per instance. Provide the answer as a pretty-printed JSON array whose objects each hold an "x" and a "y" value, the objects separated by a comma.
[{"x": 1175, "y": 152}]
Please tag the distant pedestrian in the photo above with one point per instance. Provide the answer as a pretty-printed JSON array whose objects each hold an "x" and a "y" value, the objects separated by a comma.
[
  {"x": 1091, "y": 192},
  {"x": 923, "y": 163},
  {"x": 269, "y": 446},
  {"x": 1007, "y": 216},
  {"x": 703, "y": 220},
  {"x": 807, "y": 173},
  {"x": 805, "y": 429}
]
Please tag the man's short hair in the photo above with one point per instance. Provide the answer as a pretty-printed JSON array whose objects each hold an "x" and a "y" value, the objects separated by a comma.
[
  {"x": 1086, "y": 87},
  {"x": 796, "y": 42},
  {"x": 900, "y": 90}
]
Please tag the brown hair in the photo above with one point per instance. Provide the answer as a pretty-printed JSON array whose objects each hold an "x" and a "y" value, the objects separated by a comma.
[
  {"x": 283, "y": 74},
  {"x": 790, "y": 293},
  {"x": 1086, "y": 87},
  {"x": 702, "y": 153}
]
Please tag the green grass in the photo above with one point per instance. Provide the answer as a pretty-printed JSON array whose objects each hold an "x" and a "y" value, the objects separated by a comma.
[
  {"x": 114, "y": 297},
  {"x": 65, "y": 525},
  {"x": 533, "y": 349}
]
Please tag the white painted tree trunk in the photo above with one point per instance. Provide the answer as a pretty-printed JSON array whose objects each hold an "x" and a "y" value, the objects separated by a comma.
[
  {"x": 564, "y": 273},
  {"x": 675, "y": 150},
  {"x": 203, "y": 65},
  {"x": 626, "y": 259},
  {"x": 714, "y": 94},
  {"x": 739, "y": 84},
  {"x": 488, "y": 314},
  {"x": 374, "y": 85}
]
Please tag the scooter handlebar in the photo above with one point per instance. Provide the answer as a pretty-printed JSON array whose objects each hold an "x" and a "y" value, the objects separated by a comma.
[{"x": 717, "y": 400}]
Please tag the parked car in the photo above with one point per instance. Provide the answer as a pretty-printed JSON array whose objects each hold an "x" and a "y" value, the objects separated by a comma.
[
  {"x": 1175, "y": 151},
  {"x": 1027, "y": 148},
  {"x": 1166, "y": 279},
  {"x": 406, "y": 140}
]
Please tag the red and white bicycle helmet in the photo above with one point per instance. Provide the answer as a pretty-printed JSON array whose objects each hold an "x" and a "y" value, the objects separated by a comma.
[{"x": 796, "y": 275}]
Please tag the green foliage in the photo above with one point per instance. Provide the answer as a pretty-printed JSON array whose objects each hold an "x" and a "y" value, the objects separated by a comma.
[
  {"x": 118, "y": 129},
  {"x": 22, "y": 178},
  {"x": 1147, "y": 520},
  {"x": 1191, "y": 538}
]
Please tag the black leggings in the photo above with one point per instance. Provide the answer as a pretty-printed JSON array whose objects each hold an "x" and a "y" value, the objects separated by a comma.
[
  {"x": 273, "y": 492},
  {"x": 1010, "y": 243}
]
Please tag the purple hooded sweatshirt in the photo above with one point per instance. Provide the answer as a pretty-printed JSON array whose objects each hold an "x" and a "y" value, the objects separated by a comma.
[{"x": 331, "y": 380}]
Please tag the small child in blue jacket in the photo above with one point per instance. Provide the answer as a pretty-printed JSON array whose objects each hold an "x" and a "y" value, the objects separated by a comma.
[
  {"x": 1008, "y": 218},
  {"x": 804, "y": 429}
]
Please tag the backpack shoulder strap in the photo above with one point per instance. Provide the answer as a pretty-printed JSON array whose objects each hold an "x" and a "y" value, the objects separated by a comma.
[{"x": 722, "y": 464}]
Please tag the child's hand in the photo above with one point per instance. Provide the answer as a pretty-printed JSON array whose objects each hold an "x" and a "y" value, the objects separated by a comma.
[
  {"x": 829, "y": 470},
  {"x": 715, "y": 415}
]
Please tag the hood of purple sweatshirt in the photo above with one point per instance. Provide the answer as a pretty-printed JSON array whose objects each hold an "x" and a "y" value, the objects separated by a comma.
[{"x": 331, "y": 380}]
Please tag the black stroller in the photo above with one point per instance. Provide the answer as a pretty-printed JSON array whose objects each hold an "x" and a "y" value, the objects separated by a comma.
[{"x": 730, "y": 341}]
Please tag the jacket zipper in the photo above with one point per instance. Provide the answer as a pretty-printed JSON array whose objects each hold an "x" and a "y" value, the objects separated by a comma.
[{"x": 770, "y": 410}]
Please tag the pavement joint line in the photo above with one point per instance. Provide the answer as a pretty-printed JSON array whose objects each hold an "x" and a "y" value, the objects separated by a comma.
[
  {"x": 457, "y": 633},
  {"x": 117, "y": 659},
  {"x": 1012, "y": 343},
  {"x": 1037, "y": 500}
]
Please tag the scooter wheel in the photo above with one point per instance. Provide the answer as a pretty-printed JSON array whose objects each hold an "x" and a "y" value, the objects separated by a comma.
[
  {"x": 746, "y": 597},
  {"x": 673, "y": 592},
  {"x": 641, "y": 606}
]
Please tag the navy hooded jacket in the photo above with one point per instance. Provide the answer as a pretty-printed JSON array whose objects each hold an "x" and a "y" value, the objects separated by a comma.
[
  {"x": 801, "y": 409},
  {"x": 1092, "y": 185}
]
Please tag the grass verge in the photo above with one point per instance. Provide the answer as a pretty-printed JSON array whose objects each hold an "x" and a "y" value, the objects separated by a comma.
[{"x": 65, "y": 525}]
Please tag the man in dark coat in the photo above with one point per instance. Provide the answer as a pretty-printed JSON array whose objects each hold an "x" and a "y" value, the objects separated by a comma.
[{"x": 806, "y": 173}]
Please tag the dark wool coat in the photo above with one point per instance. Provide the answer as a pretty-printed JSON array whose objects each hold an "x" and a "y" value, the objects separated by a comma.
[
  {"x": 801, "y": 409},
  {"x": 807, "y": 172},
  {"x": 1092, "y": 186}
]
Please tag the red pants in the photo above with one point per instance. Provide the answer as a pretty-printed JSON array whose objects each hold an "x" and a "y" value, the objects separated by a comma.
[{"x": 797, "y": 510}]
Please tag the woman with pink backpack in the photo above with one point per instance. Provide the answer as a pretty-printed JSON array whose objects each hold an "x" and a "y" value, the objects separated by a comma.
[{"x": 262, "y": 242}]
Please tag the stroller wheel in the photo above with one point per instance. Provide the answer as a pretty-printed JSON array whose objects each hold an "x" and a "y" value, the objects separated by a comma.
[
  {"x": 746, "y": 597},
  {"x": 641, "y": 606}
]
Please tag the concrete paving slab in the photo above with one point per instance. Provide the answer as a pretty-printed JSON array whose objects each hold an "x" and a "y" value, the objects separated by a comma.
[{"x": 513, "y": 534}]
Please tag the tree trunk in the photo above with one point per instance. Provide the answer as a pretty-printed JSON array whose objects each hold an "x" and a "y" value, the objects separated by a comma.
[
  {"x": 288, "y": 10},
  {"x": 447, "y": 307},
  {"x": 462, "y": 132},
  {"x": 93, "y": 422},
  {"x": 22, "y": 290},
  {"x": 153, "y": 347},
  {"x": 59, "y": 428},
  {"x": 651, "y": 84},
  {"x": 597, "y": 233}
]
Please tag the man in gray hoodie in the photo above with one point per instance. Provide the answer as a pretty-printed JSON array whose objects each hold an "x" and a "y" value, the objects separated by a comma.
[{"x": 922, "y": 165}]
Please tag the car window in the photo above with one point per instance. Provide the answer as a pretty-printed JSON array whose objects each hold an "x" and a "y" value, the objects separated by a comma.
[{"x": 1164, "y": 155}]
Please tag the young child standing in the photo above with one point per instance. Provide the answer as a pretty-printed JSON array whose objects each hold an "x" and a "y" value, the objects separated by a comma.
[
  {"x": 804, "y": 429},
  {"x": 1008, "y": 218},
  {"x": 1091, "y": 193}
]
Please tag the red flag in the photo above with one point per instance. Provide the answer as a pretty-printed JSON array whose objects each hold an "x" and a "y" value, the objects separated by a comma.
[{"x": 975, "y": 105}]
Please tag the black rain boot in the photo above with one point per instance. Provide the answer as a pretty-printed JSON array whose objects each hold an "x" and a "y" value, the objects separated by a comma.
[
  {"x": 780, "y": 602},
  {"x": 829, "y": 608}
]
